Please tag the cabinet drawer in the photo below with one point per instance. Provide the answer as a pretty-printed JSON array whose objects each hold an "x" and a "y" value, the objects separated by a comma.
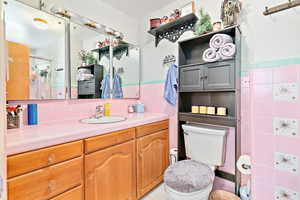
[
  {"x": 103, "y": 141},
  {"x": 74, "y": 194},
  {"x": 48, "y": 182},
  {"x": 86, "y": 87},
  {"x": 151, "y": 128},
  {"x": 30, "y": 161}
]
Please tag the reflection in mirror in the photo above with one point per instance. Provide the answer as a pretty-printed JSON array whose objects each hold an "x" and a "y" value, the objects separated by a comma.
[
  {"x": 88, "y": 70},
  {"x": 36, "y": 49},
  {"x": 126, "y": 70}
]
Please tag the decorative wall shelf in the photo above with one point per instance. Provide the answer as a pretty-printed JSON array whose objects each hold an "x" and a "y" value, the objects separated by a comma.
[
  {"x": 119, "y": 51},
  {"x": 173, "y": 30}
]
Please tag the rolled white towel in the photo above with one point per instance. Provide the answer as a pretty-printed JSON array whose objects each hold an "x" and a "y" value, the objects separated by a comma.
[
  {"x": 211, "y": 55},
  {"x": 219, "y": 40},
  {"x": 227, "y": 51}
]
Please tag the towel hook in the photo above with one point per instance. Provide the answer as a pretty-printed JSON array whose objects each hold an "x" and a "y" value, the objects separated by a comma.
[{"x": 169, "y": 59}]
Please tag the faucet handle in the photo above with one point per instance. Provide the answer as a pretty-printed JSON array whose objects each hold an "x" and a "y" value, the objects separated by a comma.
[{"x": 99, "y": 111}]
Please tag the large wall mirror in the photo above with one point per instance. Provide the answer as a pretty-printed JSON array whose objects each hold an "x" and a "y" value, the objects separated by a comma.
[
  {"x": 88, "y": 70},
  {"x": 102, "y": 66},
  {"x": 36, "y": 51},
  {"x": 56, "y": 58},
  {"x": 126, "y": 71}
]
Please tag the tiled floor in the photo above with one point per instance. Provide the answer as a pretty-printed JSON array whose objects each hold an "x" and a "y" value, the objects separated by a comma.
[{"x": 157, "y": 194}]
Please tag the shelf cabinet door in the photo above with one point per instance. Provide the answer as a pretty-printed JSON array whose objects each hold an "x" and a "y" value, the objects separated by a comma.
[
  {"x": 152, "y": 160},
  {"x": 191, "y": 79},
  {"x": 219, "y": 75},
  {"x": 111, "y": 173}
]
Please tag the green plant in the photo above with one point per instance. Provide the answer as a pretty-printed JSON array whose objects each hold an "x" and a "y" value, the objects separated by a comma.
[
  {"x": 204, "y": 24},
  {"x": 90, "y": 58}
]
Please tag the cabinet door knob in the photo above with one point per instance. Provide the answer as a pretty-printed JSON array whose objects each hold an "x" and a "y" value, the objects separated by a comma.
[
  {"x": 52, "y": 185},
  {"x": 51, "y": 159}
]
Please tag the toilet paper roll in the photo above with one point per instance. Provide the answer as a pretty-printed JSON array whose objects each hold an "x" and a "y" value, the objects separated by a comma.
[{"x": 244, "y": 164}]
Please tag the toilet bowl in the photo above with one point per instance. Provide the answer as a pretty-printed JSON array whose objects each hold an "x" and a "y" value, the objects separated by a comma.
[
  {"x": 193, "y": 179},
  {"x": 198, "y": 195}
]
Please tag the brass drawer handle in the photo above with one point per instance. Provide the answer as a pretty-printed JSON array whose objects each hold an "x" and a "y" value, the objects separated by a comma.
[
  {"x": 52, "y": 185},
  {"x": 51, "y": 159}
]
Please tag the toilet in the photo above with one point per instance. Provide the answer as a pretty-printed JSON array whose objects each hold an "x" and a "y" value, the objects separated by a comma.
[{"x": 193, "y": 179}]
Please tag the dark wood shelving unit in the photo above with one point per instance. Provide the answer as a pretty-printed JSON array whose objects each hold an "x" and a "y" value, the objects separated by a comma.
[
  {"x": 173, "y": 30},
  {"x": 207, "y": 119},
  {"x": 210, "y": 84}
]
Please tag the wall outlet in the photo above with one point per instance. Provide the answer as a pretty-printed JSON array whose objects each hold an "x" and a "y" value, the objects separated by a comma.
[
  {"x": 285, "y": 92},
  {"x": 285, "y": 127},
  {"x": 286, "y": 162},
  {"x": 285, "y": 194}
]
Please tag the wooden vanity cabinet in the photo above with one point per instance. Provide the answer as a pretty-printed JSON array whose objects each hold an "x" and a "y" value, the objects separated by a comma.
[
  {"x": 123, "y": 165},
  {"x": 111, "y": 173},
  {"x": 47, "y": 174},
  {"x": 152, "y": 161}
]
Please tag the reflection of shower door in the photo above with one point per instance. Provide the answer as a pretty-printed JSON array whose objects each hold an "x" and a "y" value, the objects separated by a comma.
[{"x": 41, "y": 79}]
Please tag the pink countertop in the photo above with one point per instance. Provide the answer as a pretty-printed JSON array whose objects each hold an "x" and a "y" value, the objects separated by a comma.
[{"x": 40, "y": 136}]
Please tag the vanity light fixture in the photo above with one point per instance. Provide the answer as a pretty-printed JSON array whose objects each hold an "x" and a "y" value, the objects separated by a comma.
[{"x": 40, "y": 23}]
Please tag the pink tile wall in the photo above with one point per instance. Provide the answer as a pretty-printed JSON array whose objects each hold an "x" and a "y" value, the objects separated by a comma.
[
  {"x": 53, "y": 111},
  {"x": 263, "y": 142},
  {"x": 152, "y": 95}
]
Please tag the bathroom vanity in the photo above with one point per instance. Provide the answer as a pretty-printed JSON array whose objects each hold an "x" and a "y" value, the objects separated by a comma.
[{"x": 122, "y": 164}]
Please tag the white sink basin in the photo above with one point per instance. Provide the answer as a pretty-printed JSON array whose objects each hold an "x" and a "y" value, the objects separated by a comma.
[{"x": 104, "y": 120}]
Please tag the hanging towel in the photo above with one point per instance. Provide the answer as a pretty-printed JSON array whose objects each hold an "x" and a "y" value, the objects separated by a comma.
[
  {"x": 117, "y": 92},
  {"x": 227, "y": 51},
  {"x": 117, "y": 87},
  {"x": 105, "y": 87},
  {"x": 171, "y": 85},
  {"x": 218, "y": 40},
  {"x": 211, "y": 55}
]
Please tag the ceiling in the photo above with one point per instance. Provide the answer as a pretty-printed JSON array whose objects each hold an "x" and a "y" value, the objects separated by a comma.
[
  {"x": 138, "y": 8},
  {"x": 20, "y": 28}
]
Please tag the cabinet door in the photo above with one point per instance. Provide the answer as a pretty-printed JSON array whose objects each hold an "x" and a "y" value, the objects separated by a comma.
[
  {"x": 111, "y": 173},
  {"x": 152, "y": 160},
  {"x": 191, "y": 79},
  {"x": 219, "y": 75}
]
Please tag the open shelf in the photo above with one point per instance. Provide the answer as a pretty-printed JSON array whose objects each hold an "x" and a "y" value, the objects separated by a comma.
[
  {"x": 163, "y": 28},
  {"x": 120, "y": 49},
  {"x": 173, "y": 30},
  {"x": 207, "y": 119},
  {"x": 204, "y": 63},
  {"x": 191, "y": 50}
]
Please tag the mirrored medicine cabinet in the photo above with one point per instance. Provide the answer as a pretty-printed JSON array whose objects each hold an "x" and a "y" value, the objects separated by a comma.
[{"x": 53, "y": 57}]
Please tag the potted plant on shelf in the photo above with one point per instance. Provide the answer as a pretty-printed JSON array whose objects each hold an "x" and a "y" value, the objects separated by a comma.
[{"x": 204, "y": 24}]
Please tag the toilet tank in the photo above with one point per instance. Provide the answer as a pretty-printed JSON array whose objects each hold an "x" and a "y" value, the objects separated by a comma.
[{"x": 205, "y": 144}]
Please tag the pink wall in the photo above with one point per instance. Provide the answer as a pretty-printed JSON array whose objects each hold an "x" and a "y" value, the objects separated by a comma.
[
  {"x": 152, "y": 95},
  {"x": 263, "y": 142},
  {"x": 55, "y": 111}
]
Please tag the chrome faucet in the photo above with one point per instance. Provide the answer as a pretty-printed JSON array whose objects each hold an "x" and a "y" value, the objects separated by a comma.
[{"x": 99, "y": 111}]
